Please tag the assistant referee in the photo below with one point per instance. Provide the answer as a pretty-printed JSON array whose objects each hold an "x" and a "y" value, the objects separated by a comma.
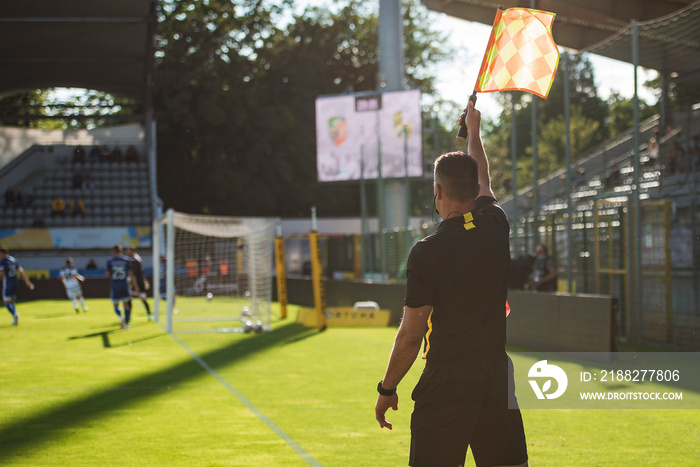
[{"x": 455, "y": 305}]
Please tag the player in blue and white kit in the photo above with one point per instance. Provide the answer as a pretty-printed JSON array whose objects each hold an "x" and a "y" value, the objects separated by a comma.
[
  {"x": 118, "y": 273},
  {"x": 71, "y": 281},
  {"x": 10, "y": 272}
]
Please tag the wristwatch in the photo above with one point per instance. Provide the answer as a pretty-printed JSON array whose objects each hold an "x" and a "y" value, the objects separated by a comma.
[{"x": 385, "y": 392}]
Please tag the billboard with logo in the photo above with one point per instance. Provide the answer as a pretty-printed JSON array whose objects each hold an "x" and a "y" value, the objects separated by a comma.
[{"x": 354, "y": 132}]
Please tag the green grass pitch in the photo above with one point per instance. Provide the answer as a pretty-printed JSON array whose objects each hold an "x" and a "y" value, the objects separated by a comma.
[{"x": 77, "y": 390}]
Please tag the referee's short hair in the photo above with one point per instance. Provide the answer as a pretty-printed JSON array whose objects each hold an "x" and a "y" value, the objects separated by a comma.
[{"x": 458, "y": 174}]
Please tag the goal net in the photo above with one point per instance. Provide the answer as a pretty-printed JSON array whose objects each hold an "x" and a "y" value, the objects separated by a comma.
[{"x": 214, "y": 272}]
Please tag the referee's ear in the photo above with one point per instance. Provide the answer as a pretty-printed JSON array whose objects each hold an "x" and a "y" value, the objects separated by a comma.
[{"x": 438, "y": 191}]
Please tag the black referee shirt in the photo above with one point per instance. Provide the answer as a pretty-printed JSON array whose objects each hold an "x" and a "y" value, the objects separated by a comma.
[{"x": 461, "y": 271}]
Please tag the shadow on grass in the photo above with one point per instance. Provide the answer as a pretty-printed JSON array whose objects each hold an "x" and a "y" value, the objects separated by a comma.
[
  {"x": 24, "y": 434},
  {"x": 113, "y": 338},
  {"x": 60, "y": 314}
]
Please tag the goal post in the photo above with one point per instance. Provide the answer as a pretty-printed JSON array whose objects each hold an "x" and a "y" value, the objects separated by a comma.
[{"x": 215, "y": 273}]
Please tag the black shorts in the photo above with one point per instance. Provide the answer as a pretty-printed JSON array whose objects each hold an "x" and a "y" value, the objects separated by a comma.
[{"x": 458, "y": 407}]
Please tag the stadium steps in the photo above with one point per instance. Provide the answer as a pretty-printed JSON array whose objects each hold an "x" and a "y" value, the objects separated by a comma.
[
  {"x": 121, "y": 195},
  {"x": 608, "y": 170}
]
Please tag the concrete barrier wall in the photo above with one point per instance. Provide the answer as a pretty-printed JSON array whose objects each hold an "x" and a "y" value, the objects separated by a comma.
[
  {"x": 559, "y": 322},
  {"x": 538, "y": 321}
]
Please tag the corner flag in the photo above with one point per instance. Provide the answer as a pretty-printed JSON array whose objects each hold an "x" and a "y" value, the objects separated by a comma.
[{"x": 521, "y": 54}]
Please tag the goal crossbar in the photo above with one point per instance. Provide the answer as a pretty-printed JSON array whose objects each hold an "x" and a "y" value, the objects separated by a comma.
[{"x": 213, "y": 269}]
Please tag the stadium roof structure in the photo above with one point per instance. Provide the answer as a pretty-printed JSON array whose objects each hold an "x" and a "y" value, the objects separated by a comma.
[
  {"x": 105, "y": 45},
  {"x": 669, "y": 39}
]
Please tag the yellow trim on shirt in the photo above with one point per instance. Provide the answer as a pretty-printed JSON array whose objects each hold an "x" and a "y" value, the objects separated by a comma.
[
  {"x": 427, "y": 334},
  {"x": 468, "y": 221}
]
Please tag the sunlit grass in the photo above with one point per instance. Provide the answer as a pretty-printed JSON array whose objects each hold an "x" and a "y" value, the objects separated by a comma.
[{"x": 77, "y": 390}]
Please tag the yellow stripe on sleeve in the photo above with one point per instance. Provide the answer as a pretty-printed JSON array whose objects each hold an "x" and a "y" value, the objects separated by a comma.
[{"x": 427, "y": 334}]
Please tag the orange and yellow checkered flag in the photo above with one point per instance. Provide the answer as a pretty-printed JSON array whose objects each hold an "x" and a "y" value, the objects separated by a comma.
[{"x": 521, "y": 54}]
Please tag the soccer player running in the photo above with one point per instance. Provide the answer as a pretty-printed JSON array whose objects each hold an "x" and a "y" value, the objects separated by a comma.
[
  {"x": 141, "y": 281},
  {"x": 10, "y": 272},
  {"x": 456, "y": 304},
  {"x": 71, "y": 281},
  {"x": 118, "y": 273}
]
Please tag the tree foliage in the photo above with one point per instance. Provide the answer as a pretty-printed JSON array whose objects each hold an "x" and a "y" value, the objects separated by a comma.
[
  {"x": 592, "y": 121},
  {"x": 622, "y": 113},
  {"x": 235, "y": 98},
  {"x": 20, "y": 110},
  {"x": 69, "y": 109}
]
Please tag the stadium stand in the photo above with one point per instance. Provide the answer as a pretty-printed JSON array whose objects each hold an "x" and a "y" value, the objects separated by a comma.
[
  {"x": 119, "y": 195},
  {"x": 608, "y": 169}
]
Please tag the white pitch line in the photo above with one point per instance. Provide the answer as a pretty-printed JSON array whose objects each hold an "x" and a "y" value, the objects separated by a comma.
[
  {"x": 291, "y": 442},
  {"x": 110, "y": 388}
]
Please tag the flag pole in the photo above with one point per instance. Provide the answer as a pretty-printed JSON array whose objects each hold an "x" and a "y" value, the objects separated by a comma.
[{"x": 462, "y": 133}]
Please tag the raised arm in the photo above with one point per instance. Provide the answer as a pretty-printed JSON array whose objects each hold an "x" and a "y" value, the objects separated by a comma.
[{"x": 476, "y": 149}]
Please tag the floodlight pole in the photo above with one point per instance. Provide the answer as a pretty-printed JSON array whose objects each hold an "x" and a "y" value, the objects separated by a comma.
[
  {"x": 637, "y": 221},
  {"x": 381, "y": 207},
  {"x": 364, "y": 214},
  {"x": 407, "y": 191},
  {"x": 567, "y": 182},
  {"x": 391, "y": 78},
  {"x": 535, "y": 170},
  {"x": 535, "y": 177}
]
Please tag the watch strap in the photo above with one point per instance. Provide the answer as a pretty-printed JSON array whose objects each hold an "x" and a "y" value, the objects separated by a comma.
[{"x": 385, "y": 392}]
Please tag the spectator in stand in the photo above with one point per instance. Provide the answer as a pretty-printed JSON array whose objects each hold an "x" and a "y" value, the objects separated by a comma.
[
  {"x": 91, "y": 265},
  {"x": 117, "y": 154},
  {"x": 87, "y": 184},
  {"x": 78, "y": 178},
  {"x": 613, "y": 179},
  {"x": 79, "y": 155},
  {"x": 58, "y": 207},
  {"x": 677, "y": 161},
  {"x": 105, "y": 155},
  {"x": 29, "y": 201},
  {"x": 9, "y": 197},
  {"x": 131, "y": 154},
  {"x": 19, "y": 199},
  {"x": 38, "y": 222},
  {"x": 94, "y": 154},
  {"x": 77, "y": 207},
  {"x": 544, "y": 271},
  {"x": 654, "y": 148}
]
